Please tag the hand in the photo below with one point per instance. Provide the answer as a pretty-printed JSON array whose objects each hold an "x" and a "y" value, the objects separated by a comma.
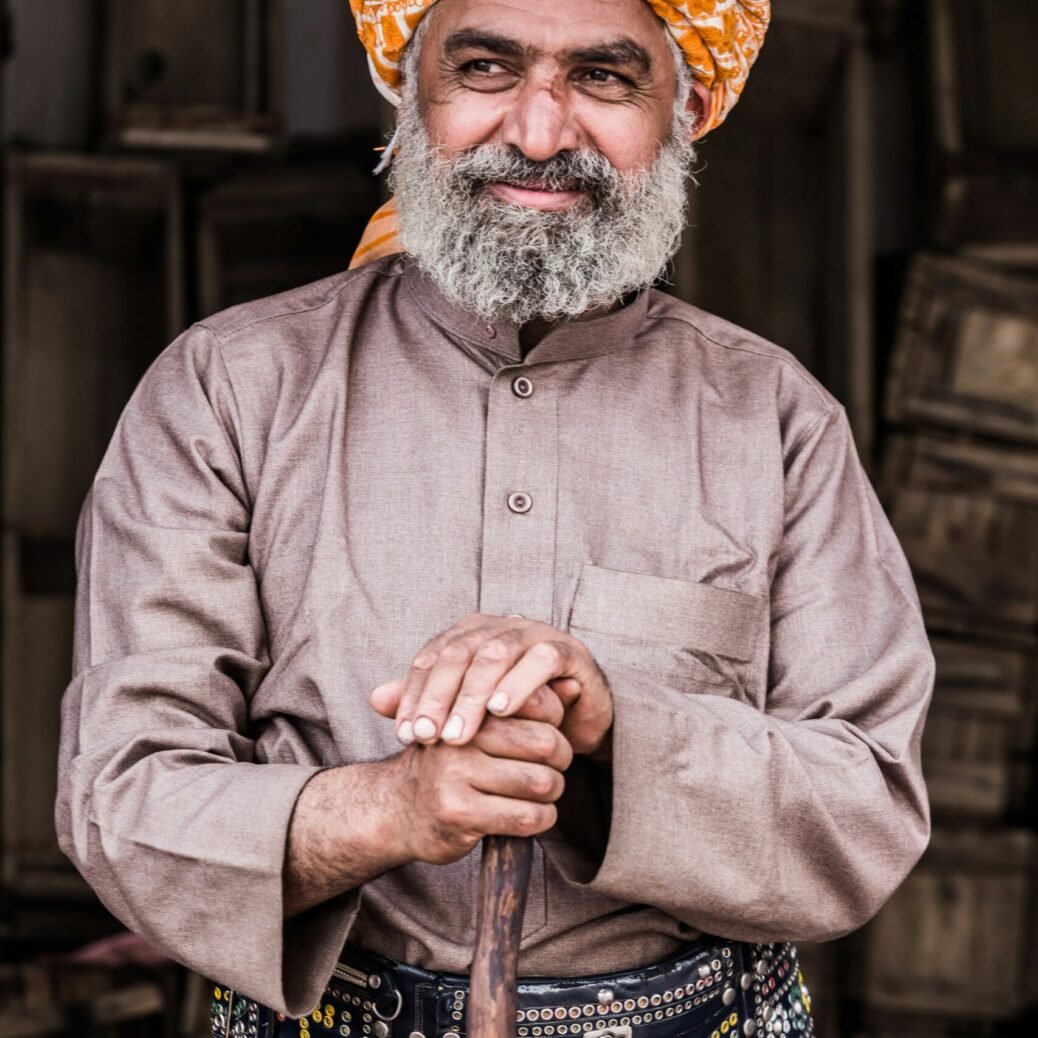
[
  {"x": 496, "y": 663},
  {"x": 505, "y": 780}
]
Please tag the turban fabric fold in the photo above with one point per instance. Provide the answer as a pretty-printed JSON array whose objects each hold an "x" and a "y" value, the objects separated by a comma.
[{"x": 719, "y": 38}]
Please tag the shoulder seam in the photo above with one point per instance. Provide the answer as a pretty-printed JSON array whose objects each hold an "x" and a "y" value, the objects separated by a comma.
[
  {"x": 788, "y": 361},
  {"x": 348, "y": 280}
]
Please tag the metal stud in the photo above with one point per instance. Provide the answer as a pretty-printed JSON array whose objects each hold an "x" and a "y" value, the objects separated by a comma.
[
  {"x": 745, "y": 981},
  {"x": 374, "y": 982},
  {"x": 380, "y": 1029},
  {"x": 605, "y": 996},
  {"x": 704, "y": 970},
  {"x": 749, "y": 1028},
  {"x": 767, "y": 1013},
  {"x": 729, "y": 996},
  {"x": 762, "y": 966}
]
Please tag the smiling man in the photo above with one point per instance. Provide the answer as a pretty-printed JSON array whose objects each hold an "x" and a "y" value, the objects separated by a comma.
[{"x": 486, "y": 535}]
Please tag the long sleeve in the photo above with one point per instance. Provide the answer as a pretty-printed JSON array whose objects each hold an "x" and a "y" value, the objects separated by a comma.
[
  {"x": 162, "y": 804},
  {"x": 796, "y": 816}
]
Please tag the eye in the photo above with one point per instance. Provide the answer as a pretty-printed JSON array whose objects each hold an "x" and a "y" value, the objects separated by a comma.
[
  {"x": 483, "y": 67},
  {"x": 603, "y": 76}
]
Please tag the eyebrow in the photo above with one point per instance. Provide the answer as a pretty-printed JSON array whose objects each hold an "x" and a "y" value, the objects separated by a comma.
[
  {"x": 619, "y": 52},
  {"x": 479, "y": 39}
]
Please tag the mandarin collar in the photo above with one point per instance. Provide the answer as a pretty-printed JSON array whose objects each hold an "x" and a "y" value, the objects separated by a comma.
[{"x": 568, "y": 340}]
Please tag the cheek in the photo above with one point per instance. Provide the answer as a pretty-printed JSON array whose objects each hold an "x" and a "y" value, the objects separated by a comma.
[
  {"x": 459, "y": 124},
  {"x": 628, "y": 141}
]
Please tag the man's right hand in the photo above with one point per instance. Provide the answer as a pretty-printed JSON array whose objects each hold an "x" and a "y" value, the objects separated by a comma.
[
  {"x": 505, "y": 781},
  {"x": 430, "y": 803}
]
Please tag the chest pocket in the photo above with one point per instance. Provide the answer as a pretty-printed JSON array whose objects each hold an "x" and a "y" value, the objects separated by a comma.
[{"x": 691, "y": 636}]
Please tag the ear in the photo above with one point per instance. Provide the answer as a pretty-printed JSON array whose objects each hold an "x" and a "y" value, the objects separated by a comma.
[{"x": 701, "y": 105}]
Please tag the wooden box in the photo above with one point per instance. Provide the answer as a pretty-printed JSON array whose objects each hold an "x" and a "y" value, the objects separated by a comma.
[
  {"x": 779, "y": 238},
  {"x": 270, "y": 230},
  {"x": 957, "y": 939},
  {"x": 982, "y": 55},
  {"x": 966, "y": 355},
  {"x": 990, "y": 213},
  {"x": 966, "y": 515},
  {"x": 979, "y": 734},
  {"x": 92, "y": 293},
  {"x": 193, "y": 73}
]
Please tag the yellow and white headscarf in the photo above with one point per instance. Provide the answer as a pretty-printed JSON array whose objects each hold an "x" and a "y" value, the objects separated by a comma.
[{"x": 719, "y": 38}]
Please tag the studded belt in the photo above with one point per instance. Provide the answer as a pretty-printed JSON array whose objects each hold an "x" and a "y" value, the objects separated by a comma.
[{"x": 711, "y": 989}]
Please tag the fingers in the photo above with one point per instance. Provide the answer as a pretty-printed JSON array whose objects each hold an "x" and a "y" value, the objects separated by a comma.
[
  {"x": 386, "y": 698},
  {"x": 544, "y": 705},
  {"x": 521, "y": 780},
  {"x": 450, "y": 680},
  {"x": 519, "y": 739}
]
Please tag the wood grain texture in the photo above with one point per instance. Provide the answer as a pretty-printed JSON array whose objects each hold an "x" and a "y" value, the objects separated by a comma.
[{"x": 502, "y": 900}]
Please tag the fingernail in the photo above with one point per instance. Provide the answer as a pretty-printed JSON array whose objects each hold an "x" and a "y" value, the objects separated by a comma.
[
  {"x": 424, "y": 728},
  {"x": 498, "y": 703},
  {"x": 454, "y": 727},
  {"x": 405, "y": 733}
]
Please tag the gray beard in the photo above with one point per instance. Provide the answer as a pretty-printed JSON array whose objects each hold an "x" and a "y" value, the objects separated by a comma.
[{"x": 511, "y": 262}]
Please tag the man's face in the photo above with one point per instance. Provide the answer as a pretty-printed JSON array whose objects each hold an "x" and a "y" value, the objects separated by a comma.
[
  {"x": 543, "y": 150},
  {"x": 546, "y": 76}
]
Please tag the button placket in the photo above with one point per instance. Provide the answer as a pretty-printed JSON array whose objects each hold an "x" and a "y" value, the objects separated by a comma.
[{"x": 519, "y": 505}]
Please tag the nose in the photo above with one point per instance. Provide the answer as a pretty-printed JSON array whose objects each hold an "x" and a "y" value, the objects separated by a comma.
[{"x": 540, "y": 122}]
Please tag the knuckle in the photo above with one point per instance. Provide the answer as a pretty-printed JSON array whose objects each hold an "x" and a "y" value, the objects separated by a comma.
[
  {"x": 543, "y": 742},
  {"x": 540, "y": 783},
  {"x": 454, "y": 652},
  {"x": 495, "y": 649},
  {"x": 549, "y": 652}
]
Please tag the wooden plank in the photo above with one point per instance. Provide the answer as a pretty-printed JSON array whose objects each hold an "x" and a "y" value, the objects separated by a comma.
[
  {"x": 954, "y": 940},
  {"x": 967, "y": 518},
  {"x": 263, "y": 233},
  {"x": 991, "y": 214},
  {"x": 966, "y": 356},
  {"x": 93, "y": 292},
  {"x": 980, "y": 731},
  {"x": 191, "y": 68}
]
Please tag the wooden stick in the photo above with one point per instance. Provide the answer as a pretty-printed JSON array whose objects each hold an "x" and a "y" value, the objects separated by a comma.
[{"x": 503, "y": 882}]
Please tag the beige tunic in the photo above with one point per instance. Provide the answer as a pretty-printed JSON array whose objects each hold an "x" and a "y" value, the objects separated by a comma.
[{"x": 305, "y": 489}]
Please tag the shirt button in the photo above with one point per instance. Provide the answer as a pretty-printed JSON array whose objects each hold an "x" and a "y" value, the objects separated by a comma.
[
  {"x": 522, "y": 387},
  {"x": 520, "y": 503}
]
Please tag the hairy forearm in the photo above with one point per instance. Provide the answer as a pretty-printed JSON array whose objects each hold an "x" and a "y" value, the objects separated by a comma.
[{"x": 344, "y": 831}]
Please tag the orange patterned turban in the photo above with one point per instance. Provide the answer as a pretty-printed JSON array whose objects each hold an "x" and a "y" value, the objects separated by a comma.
[{"x": 719, "y": 38}]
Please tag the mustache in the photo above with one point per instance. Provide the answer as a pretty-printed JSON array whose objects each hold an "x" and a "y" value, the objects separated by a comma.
[{"x": 581, "y": 170}]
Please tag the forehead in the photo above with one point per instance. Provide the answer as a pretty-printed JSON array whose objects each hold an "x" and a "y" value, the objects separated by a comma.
[{"x": 555, "y": 26}]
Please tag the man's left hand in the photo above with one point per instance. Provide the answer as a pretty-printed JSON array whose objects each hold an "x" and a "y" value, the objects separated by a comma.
[{"x": 496, "y": 663}]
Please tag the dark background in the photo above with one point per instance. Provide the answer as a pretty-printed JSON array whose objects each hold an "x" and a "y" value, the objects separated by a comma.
[{"x": 871, "y": 204}]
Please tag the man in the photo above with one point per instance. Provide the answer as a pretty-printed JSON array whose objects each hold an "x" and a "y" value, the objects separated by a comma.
[{"x": 609, "y": 565}]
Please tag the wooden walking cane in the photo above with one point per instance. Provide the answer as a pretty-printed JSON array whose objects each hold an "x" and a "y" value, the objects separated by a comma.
[{"x": 503, "y": 883}]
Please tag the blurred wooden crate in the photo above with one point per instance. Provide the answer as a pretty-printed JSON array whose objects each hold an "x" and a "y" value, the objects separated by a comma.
[
  {"x": 93, "y": 291},
  {"x": 966, "y": 355},
  {"x": 980, "y": 732},
  {"x": 956, "y": 941},
  {"x": 989, "y": 212},
  {"x": 982, "y": 75},
  {"x": 966, "y": 514},
  {"x": 269, "y": 230},
  {"x": 193, "y": 74}
]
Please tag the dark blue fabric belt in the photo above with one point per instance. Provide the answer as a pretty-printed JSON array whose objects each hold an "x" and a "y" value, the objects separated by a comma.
[{"x": 711, "y": 989}]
